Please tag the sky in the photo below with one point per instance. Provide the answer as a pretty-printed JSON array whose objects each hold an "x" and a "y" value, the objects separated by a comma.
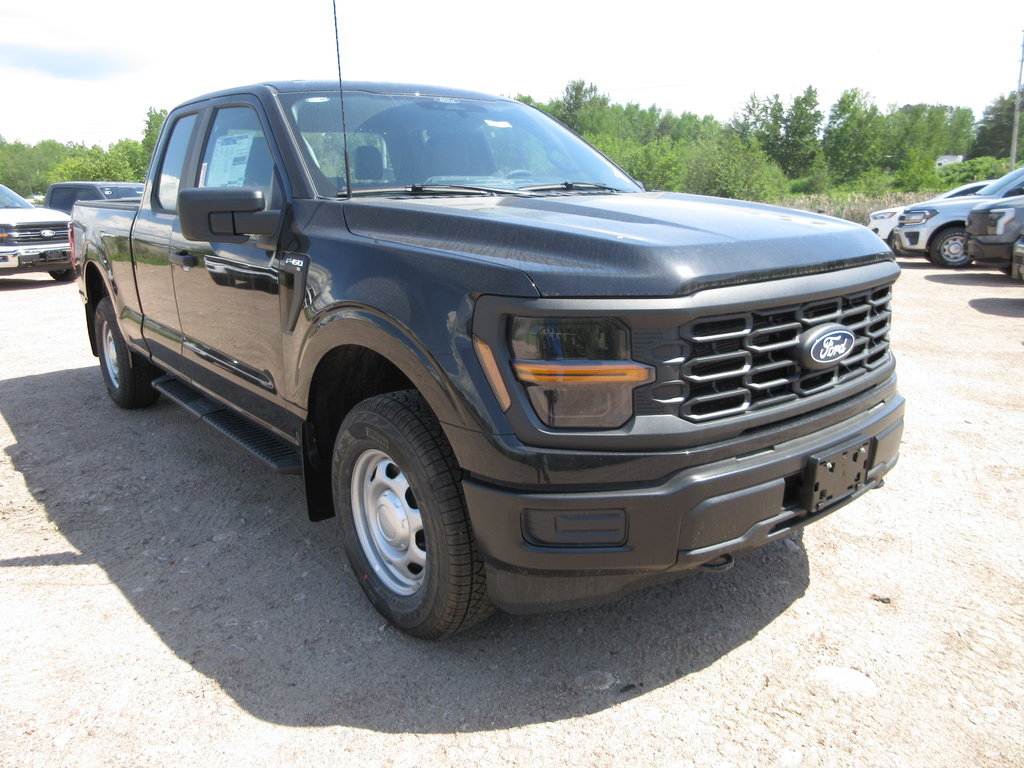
[{"x": 88, "y": 71}]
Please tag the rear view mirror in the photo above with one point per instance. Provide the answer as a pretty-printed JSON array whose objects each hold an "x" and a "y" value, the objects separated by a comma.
[{"x": 225, "y": 214}]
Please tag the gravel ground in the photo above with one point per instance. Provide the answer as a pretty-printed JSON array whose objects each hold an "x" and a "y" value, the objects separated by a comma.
[{"x": 164, "y": 601}]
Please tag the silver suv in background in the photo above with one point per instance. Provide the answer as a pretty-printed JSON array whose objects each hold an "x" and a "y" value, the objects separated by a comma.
[
  {"x": 883, "y": 223},
  {"x": 938, "y": 230}
]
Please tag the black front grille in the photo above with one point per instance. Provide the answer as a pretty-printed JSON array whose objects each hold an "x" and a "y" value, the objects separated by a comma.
[
  {"x": 38, "y": 234},
  {"x": 728, "y": 365}
]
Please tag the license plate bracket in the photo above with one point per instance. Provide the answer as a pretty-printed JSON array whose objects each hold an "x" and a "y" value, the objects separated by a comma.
[{"x": 831, "y": 477}]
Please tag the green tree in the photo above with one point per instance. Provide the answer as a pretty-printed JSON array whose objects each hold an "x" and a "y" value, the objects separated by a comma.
[
  {"x": 853, "y": 136},
  {"x": 919, "y": 131},
  {"x": 731, "y": 167},
  {"x": 800, "y": 149},
  {"x": 762, "y": 122},
  {"x": 154, "y": 122},
  {"x": 917, "y": 171},
  {"x": 656, "y": 164},
  {"x": 581, "y": 107},
  {"x": 25, "y": 169},
  {"x": 974, "y": 169},
  {"x": 996, "y": 127},
  {"x": 121, "y": 162}
]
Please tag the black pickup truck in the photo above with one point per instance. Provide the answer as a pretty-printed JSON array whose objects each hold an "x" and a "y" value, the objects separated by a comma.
[{"x": 514, "y": 376}]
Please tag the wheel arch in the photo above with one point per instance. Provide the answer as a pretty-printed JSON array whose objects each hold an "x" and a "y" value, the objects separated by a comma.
[
  {"x": 356, "y": 354},
  {"x": 96, "y": 288},
  {"x": 957, "y": 224}
]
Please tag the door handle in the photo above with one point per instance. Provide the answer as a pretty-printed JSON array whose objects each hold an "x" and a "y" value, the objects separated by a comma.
[{"x": 183, "y": 259}]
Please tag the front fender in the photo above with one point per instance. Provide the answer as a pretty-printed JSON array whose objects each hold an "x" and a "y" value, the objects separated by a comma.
[{"x": 449, "y": 379}]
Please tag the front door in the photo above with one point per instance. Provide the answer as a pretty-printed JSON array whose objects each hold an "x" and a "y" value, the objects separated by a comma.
[{"x": 227, "y": 293}]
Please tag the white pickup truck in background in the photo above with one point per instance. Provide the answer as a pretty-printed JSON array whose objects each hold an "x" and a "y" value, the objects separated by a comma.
[{"x": 33, "y": 239}]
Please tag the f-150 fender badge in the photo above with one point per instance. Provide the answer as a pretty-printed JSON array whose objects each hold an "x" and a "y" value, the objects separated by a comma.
[{"x": 825, "y": 345}]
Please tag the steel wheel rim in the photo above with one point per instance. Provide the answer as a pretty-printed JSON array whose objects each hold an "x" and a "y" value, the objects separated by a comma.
[
  {"x": 954, "y": 249},
  {"x": 388, "y": 522},
  {"x": 110, "y": 356}
]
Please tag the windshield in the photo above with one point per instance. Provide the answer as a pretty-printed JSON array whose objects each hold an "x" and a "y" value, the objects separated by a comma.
[
  {"x": 411, "y": 143},
  {"x": 9, "y": 199},
  {"x": 1002, "y": 186}
]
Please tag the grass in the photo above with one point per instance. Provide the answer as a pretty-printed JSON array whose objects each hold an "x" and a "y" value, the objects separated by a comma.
[{"x": 853, "y": 206}]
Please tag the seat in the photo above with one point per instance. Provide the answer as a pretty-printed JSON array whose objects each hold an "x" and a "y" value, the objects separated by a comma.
[{"x": 368, "y": 164}]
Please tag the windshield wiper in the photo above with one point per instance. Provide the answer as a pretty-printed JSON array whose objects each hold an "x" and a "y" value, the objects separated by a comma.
[
  {"x": 435, "y": 189},
  {"x": 571, "y": 186}
]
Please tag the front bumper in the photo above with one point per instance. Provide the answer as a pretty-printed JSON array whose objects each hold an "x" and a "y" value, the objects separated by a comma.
[
  {"x": 560, "y": 549},
  {"x": 43, "y": 258},
  {"x": 989, "y": 253},
  {"x": 911, "y": 240}
]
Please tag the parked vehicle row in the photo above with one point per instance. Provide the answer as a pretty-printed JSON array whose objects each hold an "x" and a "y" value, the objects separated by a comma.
[
  {"x": 883, "y": 223},
  {"x": 34, "y": 238},
  {"x": 959, "y": 227}
]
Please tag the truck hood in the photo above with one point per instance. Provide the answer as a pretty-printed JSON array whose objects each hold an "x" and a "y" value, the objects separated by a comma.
[
  {"x": 14, "y": 216},
  {"x": 988, "y": 203},
  {"x": 954, "y": 206},
  {"x": 630, "y": 244}
]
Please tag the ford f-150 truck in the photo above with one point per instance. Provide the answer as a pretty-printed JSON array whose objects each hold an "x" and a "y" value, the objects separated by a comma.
[
  {"x": 62, "y": 195},
  {"x": 33, "y": 239},
  {"x": 992, "y": 229},
  {"x": 514, "y": 376}
]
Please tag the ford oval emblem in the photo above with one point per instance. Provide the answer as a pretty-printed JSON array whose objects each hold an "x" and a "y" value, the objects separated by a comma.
[
  {"x": 47, "y": 233},
  {"x": 825, "y": 345}
]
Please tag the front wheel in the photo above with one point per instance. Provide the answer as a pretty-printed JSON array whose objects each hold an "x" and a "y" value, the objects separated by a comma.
[
  {"x": 128, "y": 375},
  {"x": 405, "y": 528},
  {"x": 949, "y": 249}
]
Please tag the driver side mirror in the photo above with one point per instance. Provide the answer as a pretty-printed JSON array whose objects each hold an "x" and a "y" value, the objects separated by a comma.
[{"x": 225, "y": 214}]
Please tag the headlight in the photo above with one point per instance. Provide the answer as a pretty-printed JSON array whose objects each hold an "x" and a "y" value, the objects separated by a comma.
[
  {"x": 577, "y": 372},
  {"x": 881, "y": 215},
  {"x": 918, "y": 216},
  {"x": 999, "y": 218}
]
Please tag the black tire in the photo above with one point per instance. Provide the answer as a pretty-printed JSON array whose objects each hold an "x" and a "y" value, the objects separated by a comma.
[
  {"x": 399, "y": 500},
  {"x": 128, "y": 375},
  {"x": 949, "y": 248},
  {"x": 64, "y": 276}
]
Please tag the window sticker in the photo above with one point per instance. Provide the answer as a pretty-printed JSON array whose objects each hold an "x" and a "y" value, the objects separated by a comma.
[{"x": 230, "y": 157}]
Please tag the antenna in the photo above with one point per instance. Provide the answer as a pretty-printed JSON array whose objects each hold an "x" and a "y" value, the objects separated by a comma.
[
  {"x": 341, "y": 102},
  {"x": 1016, "y": 113}
]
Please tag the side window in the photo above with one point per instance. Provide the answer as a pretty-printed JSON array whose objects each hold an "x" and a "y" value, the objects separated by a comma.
[
  {"x": 173, "y": 163},
  {"x": 62, "y": 198},
  {"x": 237, "y": 153}
]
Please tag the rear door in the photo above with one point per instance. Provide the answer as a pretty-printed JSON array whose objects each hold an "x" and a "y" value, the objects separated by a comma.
[{"x": 155, "y": 226}]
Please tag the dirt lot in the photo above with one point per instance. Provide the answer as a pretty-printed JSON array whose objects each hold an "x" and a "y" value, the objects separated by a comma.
[{"x": 163, "y": 601}]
